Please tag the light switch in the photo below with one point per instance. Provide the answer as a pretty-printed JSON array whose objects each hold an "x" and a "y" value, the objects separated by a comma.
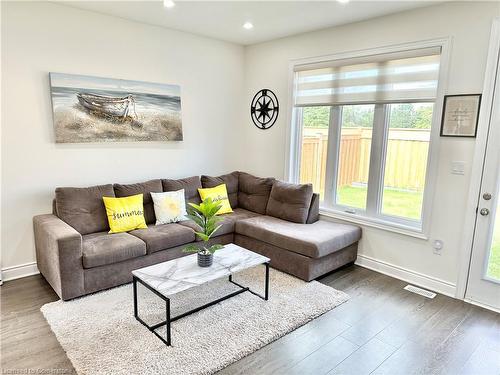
[{"x": 458, "y": 167}]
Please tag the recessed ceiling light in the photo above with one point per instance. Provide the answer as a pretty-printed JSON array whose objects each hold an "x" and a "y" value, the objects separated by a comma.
[
  {"x": 248, "y": 25},
  {"x": 168, "y": 3},
  {"x": 343, "y": 1}
]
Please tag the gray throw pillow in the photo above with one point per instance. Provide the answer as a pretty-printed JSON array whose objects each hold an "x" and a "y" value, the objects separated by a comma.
[{"x": 290, "y": 201}]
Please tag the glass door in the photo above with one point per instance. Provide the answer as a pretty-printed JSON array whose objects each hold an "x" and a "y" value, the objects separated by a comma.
[
  {"x": 483, "y": 284},
  {"x": 493, "y": 268}
]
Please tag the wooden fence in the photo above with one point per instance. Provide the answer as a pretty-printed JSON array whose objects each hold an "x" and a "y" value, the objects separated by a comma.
[{"x": 406, "y": 158}]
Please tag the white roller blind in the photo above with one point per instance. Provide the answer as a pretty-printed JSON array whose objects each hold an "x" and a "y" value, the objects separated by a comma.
[{"x": 393, "y": 77}]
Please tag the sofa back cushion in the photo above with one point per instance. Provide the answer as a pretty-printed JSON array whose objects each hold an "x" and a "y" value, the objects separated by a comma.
[
  {"x": 290, "y": 201},
  {"x": 231, "y": 181},
  {"x": 313, "y": 215},
  {"x": 253, "y": 192},
  {"x": 54, "y": 207},
  {"x": 83, "y": 208},
  {"x": 190, "y": 186},
  {"x": 145, "y": 188}
]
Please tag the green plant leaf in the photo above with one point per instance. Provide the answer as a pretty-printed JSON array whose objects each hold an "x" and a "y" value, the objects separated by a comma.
[
  {"x": 214, "y": 230},
  {"x": 195, "y": 206},
  {"x": 216, "y": 219},
  {"x": 203, "y": 215},
  {"x": 210, "y": 225},
  {"x": 214, "y": 248},
  {"x": 212, "y": 210},
  {"x": 193, "y": 212},
  {"x": 200, "y": 221},
  {"x": 203, "y": 236},
  {"x": 191, "y": 249}
]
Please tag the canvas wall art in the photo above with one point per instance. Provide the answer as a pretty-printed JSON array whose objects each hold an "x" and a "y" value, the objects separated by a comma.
[{"x": 93, "y": 109}]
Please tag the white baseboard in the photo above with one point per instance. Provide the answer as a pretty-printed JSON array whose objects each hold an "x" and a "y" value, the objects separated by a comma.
[
  {"x": 16, "y": 272},
  {"x": 416, "y": 278},
  {"x": 483, "y": 305}
]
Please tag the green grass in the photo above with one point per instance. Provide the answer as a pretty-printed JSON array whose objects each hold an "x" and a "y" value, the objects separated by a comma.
[
  {"x": 408, "y": 204},
  {"x": 352, "y": 196},
  {"x": 404, "y": 204},
  {"x": 494, "y": 261}
]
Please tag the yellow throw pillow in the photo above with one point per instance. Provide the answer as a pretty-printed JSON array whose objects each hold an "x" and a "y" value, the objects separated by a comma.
[
  {"x": 217, "y": 194},
  {"x": 125, "y": 214}
]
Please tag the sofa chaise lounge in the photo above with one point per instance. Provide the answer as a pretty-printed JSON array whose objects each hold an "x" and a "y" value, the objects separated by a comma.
[{"x": 77, "y": 256}]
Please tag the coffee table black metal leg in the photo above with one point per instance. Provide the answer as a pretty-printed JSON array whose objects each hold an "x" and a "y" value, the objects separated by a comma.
[
  {"x": 169, "y": 341},
  {"x": 266, "y": 295},
  {"x": 266, "y": 290},
  {"x": 154, "y": 327},
  {"x": 135, "y": 297}
]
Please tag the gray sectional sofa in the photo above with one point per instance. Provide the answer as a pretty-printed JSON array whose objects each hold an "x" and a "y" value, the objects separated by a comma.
[{"x": 77, "y": 256}]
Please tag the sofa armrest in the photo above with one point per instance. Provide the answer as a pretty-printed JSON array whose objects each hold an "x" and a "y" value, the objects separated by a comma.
[
  {"x": 59, "y": 255},
  {"x": 313, "y": 215}
]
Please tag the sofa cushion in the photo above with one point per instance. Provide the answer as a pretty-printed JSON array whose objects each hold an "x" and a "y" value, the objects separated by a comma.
[
  {"x": 290, "y": 201},
  {"x": 103, "y": 248},
  {"x": 313, "y": 215},
  {"x": 228, "y": 221},
  {"x": 145, "y": 188},
  {"x": 253, "y": 192},
  {"x": 164, "y": 236},
  {"x": 189, "y": 184},
  {"x": 231, "y": 181},
  {"x": 83, "y": 208},
  {"x": 313, "y": 240}
]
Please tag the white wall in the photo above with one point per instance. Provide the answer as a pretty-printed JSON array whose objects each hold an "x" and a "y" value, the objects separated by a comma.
[
  {"x": 469, "y": 25},
  {"x": 38, "y": 38}
]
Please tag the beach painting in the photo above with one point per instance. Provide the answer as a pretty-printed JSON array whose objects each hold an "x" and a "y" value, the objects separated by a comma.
[{"x": 93, "y": 109}]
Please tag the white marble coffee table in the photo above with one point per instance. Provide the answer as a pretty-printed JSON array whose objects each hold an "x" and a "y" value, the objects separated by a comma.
[{"x": 174, "y": 276}]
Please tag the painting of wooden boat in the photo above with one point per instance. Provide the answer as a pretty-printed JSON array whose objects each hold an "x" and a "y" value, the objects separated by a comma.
[
  {"x": 122, "y": 107},
  {"x": 97, "y": 109}
]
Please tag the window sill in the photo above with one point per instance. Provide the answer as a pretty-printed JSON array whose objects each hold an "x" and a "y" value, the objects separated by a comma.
[{"x": 374, "y": 223}]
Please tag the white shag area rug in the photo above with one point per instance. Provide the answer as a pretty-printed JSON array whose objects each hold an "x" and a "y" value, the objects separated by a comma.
[{"x": 101, "y": 336}]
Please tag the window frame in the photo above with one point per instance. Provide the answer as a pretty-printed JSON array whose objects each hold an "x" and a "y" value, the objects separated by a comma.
[{"x": 376, "y": 178}]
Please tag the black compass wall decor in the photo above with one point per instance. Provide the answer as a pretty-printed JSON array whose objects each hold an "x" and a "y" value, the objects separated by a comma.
[{"x": 264, "y": 109}]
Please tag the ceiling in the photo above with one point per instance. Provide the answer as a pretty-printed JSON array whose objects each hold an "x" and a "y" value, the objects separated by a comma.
[{"x": 271, "y": 19}]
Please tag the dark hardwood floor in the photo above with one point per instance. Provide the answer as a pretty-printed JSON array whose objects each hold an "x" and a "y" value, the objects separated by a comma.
[{"x": 382, "y": 329}]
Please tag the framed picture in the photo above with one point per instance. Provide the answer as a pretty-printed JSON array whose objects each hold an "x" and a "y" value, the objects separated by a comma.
[
  {"x": 95, "y": 109},
  {"x": 460, "y": 115}
]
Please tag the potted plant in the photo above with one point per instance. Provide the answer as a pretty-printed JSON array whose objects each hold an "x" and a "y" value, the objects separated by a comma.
[{"x": 204, "y": 216}]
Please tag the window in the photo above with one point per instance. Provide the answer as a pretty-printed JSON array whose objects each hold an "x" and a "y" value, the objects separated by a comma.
[
  {"x": 363, "y": 127},
  {"x": 316, "y": 121},
  {"x": 405, "y": 165},
  {"x": 354, "y": 155}
]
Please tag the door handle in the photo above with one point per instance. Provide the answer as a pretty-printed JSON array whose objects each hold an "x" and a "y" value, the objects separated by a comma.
[
  {"x": 484, "y": 211},
  {"x": 487, "y": 196}
]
